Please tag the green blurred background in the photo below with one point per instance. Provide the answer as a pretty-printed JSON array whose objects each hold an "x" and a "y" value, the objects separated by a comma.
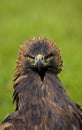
[{"x": 58, "y": 20}]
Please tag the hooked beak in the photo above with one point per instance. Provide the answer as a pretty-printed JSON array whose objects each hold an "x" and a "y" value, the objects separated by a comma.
[{"x": 39, "y": 60}]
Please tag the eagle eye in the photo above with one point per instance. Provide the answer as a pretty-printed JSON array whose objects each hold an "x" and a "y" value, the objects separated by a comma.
[
  {"x": 30, "y": 57},
  {"x": 49, "y": 56}
]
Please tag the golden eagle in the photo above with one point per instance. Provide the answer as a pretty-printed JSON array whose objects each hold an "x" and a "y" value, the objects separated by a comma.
[{"x": 41, "y": 101}]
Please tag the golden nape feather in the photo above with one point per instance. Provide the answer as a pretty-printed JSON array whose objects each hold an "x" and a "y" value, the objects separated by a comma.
[{"x": 41, "y": 101}]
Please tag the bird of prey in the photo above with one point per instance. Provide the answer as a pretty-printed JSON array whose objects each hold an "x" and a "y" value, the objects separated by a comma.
[{"x": 41, "y": 101}]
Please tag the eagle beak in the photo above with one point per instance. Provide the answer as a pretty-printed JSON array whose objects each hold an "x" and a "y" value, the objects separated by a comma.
[{"x": 39, "y": 61}]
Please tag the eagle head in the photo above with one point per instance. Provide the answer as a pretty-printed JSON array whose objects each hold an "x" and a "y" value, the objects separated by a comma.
[{"x": 40, "y": 55}]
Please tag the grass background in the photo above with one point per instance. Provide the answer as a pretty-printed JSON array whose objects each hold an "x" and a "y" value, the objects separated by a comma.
[{"x": 58, "y": 20}]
